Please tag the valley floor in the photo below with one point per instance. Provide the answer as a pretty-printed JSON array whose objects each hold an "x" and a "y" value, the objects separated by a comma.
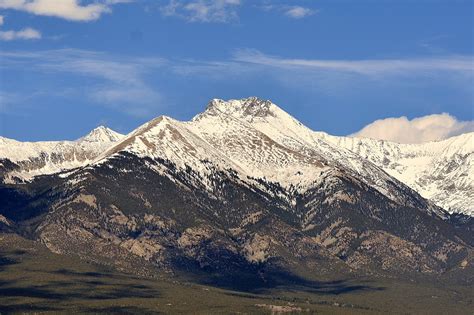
[{"x": 32, "y": 279}]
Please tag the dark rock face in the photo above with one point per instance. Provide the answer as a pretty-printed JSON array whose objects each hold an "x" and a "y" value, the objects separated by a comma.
[{"x": 131, "y": 211}]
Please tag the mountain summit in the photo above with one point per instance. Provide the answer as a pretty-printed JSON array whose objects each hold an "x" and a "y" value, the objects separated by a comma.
[
  {"x": 102, "y": 134},
  {"x": 246, "y": 107}
]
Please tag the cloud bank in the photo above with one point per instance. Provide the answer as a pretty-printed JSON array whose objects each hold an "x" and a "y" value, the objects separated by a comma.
[{"x": 417, "y": 130}]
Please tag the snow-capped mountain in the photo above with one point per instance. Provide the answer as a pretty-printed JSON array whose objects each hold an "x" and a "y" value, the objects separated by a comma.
[
  {"x": 441, "y": 171},
  {"x": 24, "y": 160},
  {"x": 241, "y": 189},
  {"x": 101, "y": 134},
  {"x": 258, "y": 140},
  {"x": 269, "y": 143}
]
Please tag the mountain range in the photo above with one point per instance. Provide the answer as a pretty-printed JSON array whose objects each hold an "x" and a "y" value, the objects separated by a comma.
[
  {"x": 244, "y": 193},
  {"x": 440, "y": 171}
]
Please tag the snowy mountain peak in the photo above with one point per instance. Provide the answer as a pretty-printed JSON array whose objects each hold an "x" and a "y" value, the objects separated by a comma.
[
  {"x": 101, "y": 134},
  {"x": 173, "y": 140},
  {"x": 48, "y": 157},
  {"x": 247, "y": 107}
]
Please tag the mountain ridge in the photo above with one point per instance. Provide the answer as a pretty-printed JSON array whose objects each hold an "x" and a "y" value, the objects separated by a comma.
[
  {"x": 292, "y": 150},
  {"x": 442, "y": 171},
  {"x": 29, "y": 159}
]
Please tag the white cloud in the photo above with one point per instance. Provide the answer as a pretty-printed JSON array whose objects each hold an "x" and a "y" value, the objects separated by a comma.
[
  {"x": 221, "y": 11},
  {"x": 67, "y": 9},
  {"x": 365, "y": 67},
  {"x": 26, "y": 33},
  {"x": 417, "y": 130},
  {"x": 298, "y": 12}
]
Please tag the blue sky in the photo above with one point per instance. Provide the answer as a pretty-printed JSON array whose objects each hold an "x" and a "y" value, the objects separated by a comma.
[{"x": 337, "y": 66}]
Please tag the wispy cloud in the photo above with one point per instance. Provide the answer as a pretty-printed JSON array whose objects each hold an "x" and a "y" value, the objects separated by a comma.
[
  {"x": 26, "y": 33},
  {"x": 123, "y": 83},
  {"x": 298, "y": 12},
  {"x": 291, "y": 11},
  {"x": 14, "y": 103},
  {"x": 417, "y": 130},
  {"x": 66, "y": 9},
  {"x": 6, "y": 99},
  {"x": 463, "y": 64},
  {"x": 120, "y": 81},
  {"x": 220, "y": 11}
]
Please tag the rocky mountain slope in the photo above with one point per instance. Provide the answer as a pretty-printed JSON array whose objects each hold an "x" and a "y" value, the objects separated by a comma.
[{"x": 243, "y": 194}]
